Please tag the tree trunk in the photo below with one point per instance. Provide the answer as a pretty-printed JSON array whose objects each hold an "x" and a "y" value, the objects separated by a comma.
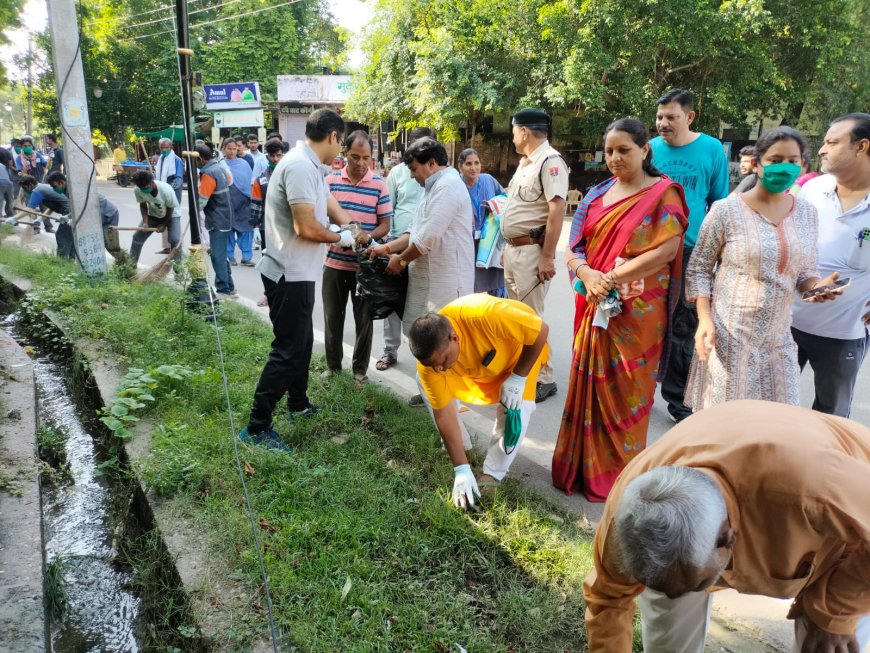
[{"x": 792, "y": 115}]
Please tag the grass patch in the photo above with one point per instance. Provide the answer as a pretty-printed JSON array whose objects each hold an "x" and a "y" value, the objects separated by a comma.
[{"x": 362, "y": 546}]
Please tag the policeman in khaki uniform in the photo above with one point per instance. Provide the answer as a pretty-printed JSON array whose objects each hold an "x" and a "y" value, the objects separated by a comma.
[{"x": 532, "y": 221}]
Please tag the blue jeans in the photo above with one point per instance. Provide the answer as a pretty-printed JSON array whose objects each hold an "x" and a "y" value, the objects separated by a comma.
[
  {"x": 140, "y": 237},
  {"x": 835, "y": 364},
  {"x": 245, "y": 240},
  {"x": 223, "y": 276}
]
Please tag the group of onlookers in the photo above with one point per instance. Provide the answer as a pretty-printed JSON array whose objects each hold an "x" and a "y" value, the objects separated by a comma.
[
  {"x": 24, "y": 158},
  {"x": 716, "y": 297}
]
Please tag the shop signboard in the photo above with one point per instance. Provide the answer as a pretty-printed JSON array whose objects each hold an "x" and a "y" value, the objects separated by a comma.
[{"x": 240, "y": 95}]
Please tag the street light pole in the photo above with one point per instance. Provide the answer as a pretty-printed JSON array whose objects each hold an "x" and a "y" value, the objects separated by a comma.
[{"x": 87, "y": 227}]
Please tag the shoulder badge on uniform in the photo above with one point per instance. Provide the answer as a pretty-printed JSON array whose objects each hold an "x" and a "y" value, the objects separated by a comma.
[{"x": 554, "y": 171}]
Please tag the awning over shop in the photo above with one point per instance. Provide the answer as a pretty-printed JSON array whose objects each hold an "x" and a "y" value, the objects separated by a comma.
[{"x": 174, "y": 133}]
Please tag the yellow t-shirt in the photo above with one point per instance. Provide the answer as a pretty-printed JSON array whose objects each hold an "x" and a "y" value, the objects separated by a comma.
[
  {"x": 119, "y": 155},
  {"x": 484, "y": 324}
]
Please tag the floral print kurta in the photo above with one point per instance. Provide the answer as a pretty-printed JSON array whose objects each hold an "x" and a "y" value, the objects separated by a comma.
[{"x": 751, "y": 268}]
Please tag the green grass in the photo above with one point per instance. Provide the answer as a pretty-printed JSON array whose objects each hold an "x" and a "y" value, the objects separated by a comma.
[{"x": 363, "y": 548}]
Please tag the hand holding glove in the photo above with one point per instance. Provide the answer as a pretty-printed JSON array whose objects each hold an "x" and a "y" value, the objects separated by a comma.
[
  {"x": 512, "y": 391},
  {"x": 346, "y": 241},
  {"x": 464, "y": 487}
]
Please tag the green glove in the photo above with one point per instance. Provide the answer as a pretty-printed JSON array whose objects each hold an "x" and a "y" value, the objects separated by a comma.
[{"x": 513, "y": 428}]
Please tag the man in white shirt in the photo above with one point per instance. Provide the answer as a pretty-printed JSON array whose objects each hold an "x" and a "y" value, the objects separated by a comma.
[
  {"x": 261, "y": 163},
  {"x": 834, "y": 338}
]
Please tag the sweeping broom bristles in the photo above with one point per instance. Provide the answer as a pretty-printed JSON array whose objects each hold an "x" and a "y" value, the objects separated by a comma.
[{"x": 161, "y": 269}]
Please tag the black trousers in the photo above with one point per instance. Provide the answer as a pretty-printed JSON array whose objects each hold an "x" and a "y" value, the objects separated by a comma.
[
  {"x": 835, "y": 364},
  {"x": 337, "y": 286},
  {"x": 291, "y": 304},
  {"x": 684, "y": 324}
]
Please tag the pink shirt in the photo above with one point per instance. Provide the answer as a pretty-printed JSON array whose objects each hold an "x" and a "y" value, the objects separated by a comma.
[{"x": 368, "y": 203}]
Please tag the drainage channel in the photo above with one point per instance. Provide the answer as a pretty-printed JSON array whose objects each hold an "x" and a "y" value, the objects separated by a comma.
[{"x": 109, "y": 585}]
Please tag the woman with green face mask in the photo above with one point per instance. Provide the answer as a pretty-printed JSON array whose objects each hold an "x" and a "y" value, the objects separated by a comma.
[
  {"x": 754, "y": 251},
  {"x": 29, "y": 160}
]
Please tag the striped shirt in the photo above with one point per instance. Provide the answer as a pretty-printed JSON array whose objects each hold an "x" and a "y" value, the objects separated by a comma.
[{"x": 368, "y": 203}]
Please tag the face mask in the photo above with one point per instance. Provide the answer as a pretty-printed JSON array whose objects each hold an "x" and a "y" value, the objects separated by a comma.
[
  {"x": 17, "y": 149},
  {"x": 272, "y": 165},
  {"x": 779, "y": 177},
  {"x": 58, "y": 189},
  {"x": 164, "y": 154},
  {"x": 28, "y": 150}
]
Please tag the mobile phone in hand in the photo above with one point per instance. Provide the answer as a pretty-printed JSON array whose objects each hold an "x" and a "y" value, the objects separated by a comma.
[{"x": 821, "y": 290}]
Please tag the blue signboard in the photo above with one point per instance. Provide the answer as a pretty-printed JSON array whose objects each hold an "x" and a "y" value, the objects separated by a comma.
[{"x": 242, "y": 95}]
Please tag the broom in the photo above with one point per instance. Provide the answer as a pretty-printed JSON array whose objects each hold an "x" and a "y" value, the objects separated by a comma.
[{"x": 26, "y": 236}]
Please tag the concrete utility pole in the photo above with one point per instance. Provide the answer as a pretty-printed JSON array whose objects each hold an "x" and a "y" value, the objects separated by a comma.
[
  {"x": 76, "y": 128},
  {"x": 29, "y": 118}
]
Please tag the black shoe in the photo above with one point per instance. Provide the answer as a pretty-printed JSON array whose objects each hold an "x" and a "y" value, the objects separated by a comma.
[{"x": 544, "y": 391}]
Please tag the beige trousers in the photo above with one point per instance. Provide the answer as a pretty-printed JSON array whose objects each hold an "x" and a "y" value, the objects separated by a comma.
[
  {"x": 522, "y": 282},
  {"x": 680, "y": 625}
]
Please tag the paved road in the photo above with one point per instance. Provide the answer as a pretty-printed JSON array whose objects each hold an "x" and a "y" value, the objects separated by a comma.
[{"x": 533, "y": 465}]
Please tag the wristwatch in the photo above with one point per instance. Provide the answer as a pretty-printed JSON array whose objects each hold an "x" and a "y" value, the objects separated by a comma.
[{"x": 403, "y": 263}]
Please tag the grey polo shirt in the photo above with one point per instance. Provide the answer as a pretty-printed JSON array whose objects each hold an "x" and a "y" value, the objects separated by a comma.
[{"x": 299, "y": 178}]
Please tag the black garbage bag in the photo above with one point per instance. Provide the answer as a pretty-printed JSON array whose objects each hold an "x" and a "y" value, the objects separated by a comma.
[{"x": 384, "y": 293}]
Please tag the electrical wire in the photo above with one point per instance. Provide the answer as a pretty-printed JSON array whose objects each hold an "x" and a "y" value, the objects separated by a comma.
[
  {"x": 136, "y": 15},
  {"x": 172, "y": 17},
  {"x": 210, "y": 22}
]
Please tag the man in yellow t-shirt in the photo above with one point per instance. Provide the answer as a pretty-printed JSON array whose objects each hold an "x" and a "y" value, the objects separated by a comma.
[
  {"x": 118, "y": 156},
  {"x": 480, "y": 350}
]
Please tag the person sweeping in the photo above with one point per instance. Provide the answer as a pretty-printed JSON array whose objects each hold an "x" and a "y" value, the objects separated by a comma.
[{"x": 480, "y": 350}]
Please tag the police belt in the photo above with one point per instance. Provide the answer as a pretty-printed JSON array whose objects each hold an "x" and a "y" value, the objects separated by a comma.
[{"x": 520, "y": 241}]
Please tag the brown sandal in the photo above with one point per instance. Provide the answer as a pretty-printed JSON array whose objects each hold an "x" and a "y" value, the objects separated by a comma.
[{"x": 385, "y": 363}]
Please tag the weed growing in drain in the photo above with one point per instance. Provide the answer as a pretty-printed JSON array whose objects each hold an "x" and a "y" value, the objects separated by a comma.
[
  {"x": 51, "y": 448},
  {"x": 363, "y": 549},
  {"x": 55, "y": 596},
  {"x": 165, "y": 605}
]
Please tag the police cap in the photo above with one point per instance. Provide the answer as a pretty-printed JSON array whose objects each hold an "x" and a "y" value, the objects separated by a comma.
[{"x": 532, "y": 118}]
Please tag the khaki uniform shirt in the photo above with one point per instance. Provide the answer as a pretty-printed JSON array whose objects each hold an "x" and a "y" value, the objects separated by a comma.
[
  {"x": 527, "y": 206},
  {"x": 796, "y": 485}
]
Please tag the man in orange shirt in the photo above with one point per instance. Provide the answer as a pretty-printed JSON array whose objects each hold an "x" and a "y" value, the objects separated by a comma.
[
  {"x": 481, "y": 350},
  {"x": 761, "y": 497}
]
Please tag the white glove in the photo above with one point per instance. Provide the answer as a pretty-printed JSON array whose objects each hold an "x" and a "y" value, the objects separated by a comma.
[
  {"x": 464, "y": 487},
  {"x": 13, "y": 221},
  {"x": 63, "y": 219},
  {"x": 347, "y": 240},
  {"x": 512, "y": 391}
]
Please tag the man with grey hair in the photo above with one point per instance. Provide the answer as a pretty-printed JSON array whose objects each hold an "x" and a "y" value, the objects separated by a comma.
[{"x": 761, "y": 497}]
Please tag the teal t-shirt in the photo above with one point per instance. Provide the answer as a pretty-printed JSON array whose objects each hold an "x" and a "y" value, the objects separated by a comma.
[{"x": 701, "y": 168}]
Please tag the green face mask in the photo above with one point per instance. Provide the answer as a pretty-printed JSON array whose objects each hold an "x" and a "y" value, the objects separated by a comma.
[
  {"x": 272, "y": 165},
  {"x": 164, "y": 154},
  {"x": 779, "y": 177},
  {"x": 28, "y": 150},
  {"x": 17, "y": 149},
  {"x": 58, "y": 189}
]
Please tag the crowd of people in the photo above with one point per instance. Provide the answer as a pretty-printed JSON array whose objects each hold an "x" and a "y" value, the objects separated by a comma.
[
  {"x": 674, "y": 281},
  {"x": 721, "y": 297}
]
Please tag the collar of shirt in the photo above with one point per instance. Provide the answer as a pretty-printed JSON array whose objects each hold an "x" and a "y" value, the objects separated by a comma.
[
  {"x": 830, "y": 192},
  {"x": 366, "y": 178},
  {"x": 538, "y": 152},
  {"x": 312, "y": 156},
  {"x": 432, "y": 180}
]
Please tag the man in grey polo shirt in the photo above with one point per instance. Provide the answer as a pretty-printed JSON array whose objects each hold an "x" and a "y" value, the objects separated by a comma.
[
  {"x": 298, "y": 208},
  {"x": 832, "y": 337}
]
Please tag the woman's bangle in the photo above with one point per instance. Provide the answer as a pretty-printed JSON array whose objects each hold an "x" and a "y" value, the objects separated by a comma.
[
  {"x": 580, "y": 265},
  {"x": 613, "y": 277}
]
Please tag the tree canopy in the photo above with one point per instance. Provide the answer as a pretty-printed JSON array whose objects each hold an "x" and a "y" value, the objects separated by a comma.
[
  {"x": 443, "y": 63},
  {"x": 128, "y": 51}
]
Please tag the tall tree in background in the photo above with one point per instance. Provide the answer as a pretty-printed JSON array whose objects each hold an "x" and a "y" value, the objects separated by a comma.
[
  {"x": 443, "y": 63},
  {"x": 128, "y": 51},
  {"x": 10, "y": 11}
]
